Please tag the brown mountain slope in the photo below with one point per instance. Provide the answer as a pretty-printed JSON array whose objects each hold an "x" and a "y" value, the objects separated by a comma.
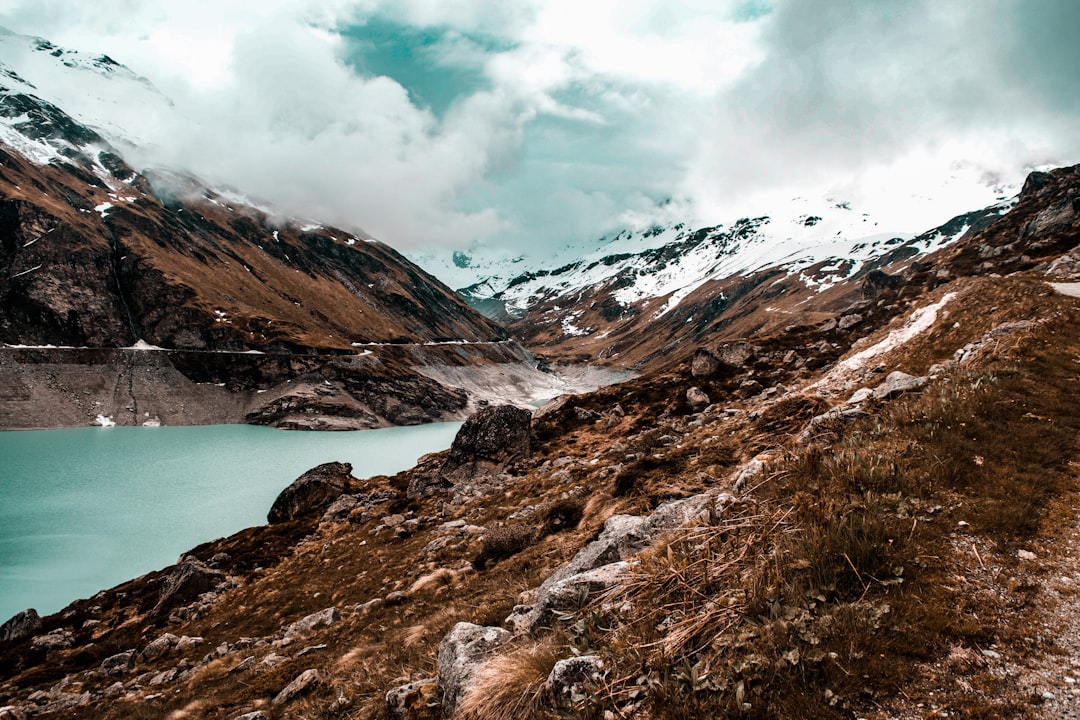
[
  {"x": 99, "y": 262},
  {"x": 902, "y": 555}
]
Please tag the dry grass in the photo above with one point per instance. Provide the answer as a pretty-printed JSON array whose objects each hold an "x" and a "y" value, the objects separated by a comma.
[{"x": 512, "y": 686}]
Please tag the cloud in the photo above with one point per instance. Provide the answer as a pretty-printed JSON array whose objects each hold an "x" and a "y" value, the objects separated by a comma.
[
  {"x": 533, "y": 123},
  {"x": 852, "y": 88}
]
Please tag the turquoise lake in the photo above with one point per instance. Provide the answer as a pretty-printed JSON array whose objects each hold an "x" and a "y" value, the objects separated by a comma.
[{"x": 85, "y": 509}]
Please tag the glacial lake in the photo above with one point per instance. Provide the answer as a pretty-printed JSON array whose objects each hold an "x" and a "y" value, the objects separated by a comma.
[{"x": 85, "y": 509}]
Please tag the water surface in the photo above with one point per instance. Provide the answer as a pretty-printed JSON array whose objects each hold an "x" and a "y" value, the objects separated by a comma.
[{"x": 85, "y": 509}]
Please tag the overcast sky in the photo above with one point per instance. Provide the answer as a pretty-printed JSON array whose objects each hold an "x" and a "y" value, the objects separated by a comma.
[{"x": 531, "y": 123}]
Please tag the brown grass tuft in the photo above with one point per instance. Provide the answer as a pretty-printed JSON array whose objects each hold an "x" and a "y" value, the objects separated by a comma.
[
  {"x": 512, "y": 686},
  {"x": 502, "y": 542}
]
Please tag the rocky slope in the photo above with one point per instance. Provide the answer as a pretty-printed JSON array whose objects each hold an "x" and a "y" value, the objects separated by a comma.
[
  {"x": 95, "y": 254},
  {"x": 830, "y": 519}
]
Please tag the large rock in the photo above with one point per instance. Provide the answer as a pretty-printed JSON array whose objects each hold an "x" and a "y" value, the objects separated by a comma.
[
  {"x": 187, "y": 581},
  {"x": 489, "y": 439},
  {"x": 304, "y": 683},
  {"x": 704, "y": 364},
  {"x": 22, "y": 625},
  {"x": 313, "y": 492},
  {"x": 461, "y": 653},
  {"x": 697, "y": 399},
  {"x": 897, "y": 383},
  {"x": 622, "y": 538},
  {"x": 328, "y": 617}
]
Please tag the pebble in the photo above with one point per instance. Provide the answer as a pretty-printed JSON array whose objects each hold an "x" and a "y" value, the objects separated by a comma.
[{"x": 1025, "y": 555}]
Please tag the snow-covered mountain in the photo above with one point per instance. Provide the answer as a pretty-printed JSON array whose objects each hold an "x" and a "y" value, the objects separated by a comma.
[
  {"x": 650, "y": 272},
  {"x": 625, "y": 298}
]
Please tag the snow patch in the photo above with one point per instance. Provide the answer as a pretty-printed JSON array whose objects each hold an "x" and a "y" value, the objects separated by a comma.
[{"x": 104, "y": 421}]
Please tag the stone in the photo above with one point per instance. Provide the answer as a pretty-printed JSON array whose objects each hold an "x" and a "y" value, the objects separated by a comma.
[
  {"x": 257, "y": 715},
  {"x": 305, "y": 682},
  {"x": 860, "y": 396},
  {"x": 313, "y": 492},
  {"x": 1026, "y": 555},
  {"x": 327, "y": 617},
  {"x": 10, "y": 712},
  {"x": 566, "y": 594},
  {"x": 848, "y": 321},
  {"x": 622, "y": 538},
  {"x": 188, "y": 579},
  {"x": 119, "y": 664},
  {"x": 747, "y": 472},
  {"x": 159, "y": 647},
  {"x": 22, "y": 625},
  {"x": 896, "y": 383},
  {"x": 461, "y": 653},
  {"x": 569, "y": 676},
  {"x": 490, "y": 439},
  {"x": 340, "y": 509},
  {"x": 697, "y": 399},
  {"x": 56, "y": 640},
  {"x": 735, "y": 355},
  {"x": 186, "y": 643},
  {"x": 704, "y": 364},
  {"x": 405, "y": 700}
]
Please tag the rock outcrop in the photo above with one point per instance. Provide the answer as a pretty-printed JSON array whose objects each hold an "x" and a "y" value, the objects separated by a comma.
[
  {"x": 313, "y": 492},
  {"x": 21, "y": 625},
  {"x": 461, "y": 653}
]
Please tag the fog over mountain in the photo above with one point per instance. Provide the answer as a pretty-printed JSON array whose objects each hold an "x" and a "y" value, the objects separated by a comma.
[{"x": 531, "y": 124}]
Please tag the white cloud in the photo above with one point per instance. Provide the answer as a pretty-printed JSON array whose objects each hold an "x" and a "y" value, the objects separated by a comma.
[{"x": 585, "y": 115}]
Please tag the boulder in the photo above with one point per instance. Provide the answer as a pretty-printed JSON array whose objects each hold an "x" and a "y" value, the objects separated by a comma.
[
  {"x": 59, "y": 639},
  {"x": 327, "y": 617},
  {"x": 489, "y": 439},
  {"x": 569, "y": 676},
  {"x": 897, "y": 383},
  {"x": 566, "y": 594},
  {"x": 461, "y": 653},
  {"x": 160, "y": 646},
  {"x": 305, "y": 682},
  {"x": 622, "y": 538},
  {"x": 697, "y": 399},
  {"x": 704, "y": 364},
  {"x": 340, "y": 509},
  {"x": 405, "y": 700},
  {"x": 118, "y": 664},
  {"x": 188, "y": 580},
  {"x": 313, "y": 492},
  {"x": 735, "y": 355},
  {"x": 21, "y": 625}
]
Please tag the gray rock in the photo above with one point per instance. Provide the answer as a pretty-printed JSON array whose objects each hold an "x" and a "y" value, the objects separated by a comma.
[
  {"x": 704, "y": 364},
  {"x": 22, "y": 625},
  {"x": 189, "y": 579},
  {"x": 569, "y": 677},
  {"x": 404, "y": 700},
  {"x": 257, "y": 715},
  {"x": 735, "y": 355},
  {"x": 10, "y": 712},
  {"x": 340, "y": 509},
  {"x": 56, "y": 640},
  {"x": 860, "y": 396},
  {"x": 622, "y": 538},
  {"x": 461, "y": 653},
  {"x": 566, "y": 594},
  {"x": 747, "y": 472},
  {"x": 312, "y": 492},
  {"x": 186, "y": 643},
  {"x": 494, "y": 436},
  {"x": 851, "y": 320},
  {"x": 159, "y": 647},
  {"x": 119, "y": 664},
  {"x": 305, "y": 682},
  {"x": 327, "y": 617},
  {"x": 897, "y": 383},
  {"x": 836, "y": 415},
  {"x": 697, "y": 399}
]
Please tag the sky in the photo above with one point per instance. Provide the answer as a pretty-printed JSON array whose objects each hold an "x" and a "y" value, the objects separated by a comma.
[{"x": 528, "y": 124}]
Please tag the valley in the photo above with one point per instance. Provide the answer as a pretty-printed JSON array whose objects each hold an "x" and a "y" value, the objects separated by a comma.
[{"x": 790, "y": 465}]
